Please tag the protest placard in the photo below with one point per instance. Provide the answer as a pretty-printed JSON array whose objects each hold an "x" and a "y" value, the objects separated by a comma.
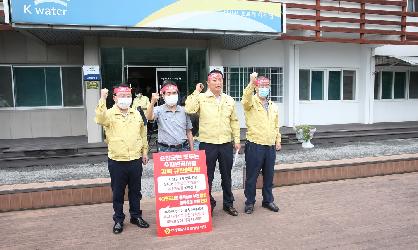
[{"x": 181, "y": 193}]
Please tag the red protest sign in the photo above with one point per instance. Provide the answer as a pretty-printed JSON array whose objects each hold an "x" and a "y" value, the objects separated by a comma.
[{"x": 181, "y": 193}]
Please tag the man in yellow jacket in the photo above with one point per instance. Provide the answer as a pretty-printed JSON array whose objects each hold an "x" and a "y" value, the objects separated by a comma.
[
  {"x": 263, "y": 139},
  {"x": 140, "y": 101},
  {"x": 218, "y": 129},
  {"x": 127, "y": 149}
]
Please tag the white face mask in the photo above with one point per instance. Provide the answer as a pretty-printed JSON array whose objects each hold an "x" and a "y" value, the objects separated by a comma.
[
  {"x": 124, "y": 103},
  {"x": 171, "y": 100}
]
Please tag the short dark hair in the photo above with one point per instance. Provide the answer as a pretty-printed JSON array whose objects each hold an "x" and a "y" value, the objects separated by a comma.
[
  {"x": 169, "y": 82},
  {"x": 216, "y": 71}
]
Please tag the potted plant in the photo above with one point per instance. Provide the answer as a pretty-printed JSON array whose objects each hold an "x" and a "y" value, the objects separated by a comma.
[{"x": 304, "y": 134}]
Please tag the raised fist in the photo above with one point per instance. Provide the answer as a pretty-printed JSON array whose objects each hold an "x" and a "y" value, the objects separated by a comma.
[
  {"x": 154, "y": 98},
  {"x": 103, "y": 93},
  {"x": 199, "y": 87},
  {"x": 253, "y": 77}
]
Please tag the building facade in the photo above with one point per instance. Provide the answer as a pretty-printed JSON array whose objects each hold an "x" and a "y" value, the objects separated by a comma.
[{"x": 326, "y": 65}]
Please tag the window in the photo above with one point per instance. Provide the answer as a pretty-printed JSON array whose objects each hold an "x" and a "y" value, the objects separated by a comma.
[
  {"x": 399, "y": 85},
  {"x": 413, "y": 84},
  {"x": 412, "y": 5},
  {"x": 197, "y": 68},
  {"x": 349, "y": 84},
  {"x": 111, "y": 67},
  {"x": 334, "y": 85},
  {"x": 232, "y": 82},
  {"x": 30, "y": 87},
  {"x": 53, "y": 87},
  {"x": 377, "y": 85},
  {"x": 71, "y": 78},
  {"x": 40, "y": 86},
  {"x": 317, "y": 85},
  {"x": 304, "y": 84},
  {"x": 387, "y": 78},
  {"x": 327, "y": 84},
  {"x": 237, "y": 78},
  {"x": 6, "y": 91},
  {"x": 392, "y": 85}
]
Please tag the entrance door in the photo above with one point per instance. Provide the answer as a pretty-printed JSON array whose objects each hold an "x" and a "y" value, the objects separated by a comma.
[
  {"x": 141, "y": 77},
  {"x": 177, "y": 75}
]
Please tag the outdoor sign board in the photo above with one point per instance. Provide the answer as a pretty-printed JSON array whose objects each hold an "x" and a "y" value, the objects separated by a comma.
[
  {"x": 209, "y": 15},
  {"x": 181, "y": 193},
  {"x": 91, "y": 73}
]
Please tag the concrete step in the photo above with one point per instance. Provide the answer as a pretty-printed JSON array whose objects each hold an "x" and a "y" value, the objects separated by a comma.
[
  {"x": 91, "y": 191},
  {"x": 43, "y": 160},
  {"x": 71, "y": 151},
  {"x": 345, "y": 136}
]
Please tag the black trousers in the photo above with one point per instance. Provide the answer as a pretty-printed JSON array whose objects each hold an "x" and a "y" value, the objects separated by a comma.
[
  {"x": 259, "y": 157},
  {"x": 223, "y": 153},
  {"x": 124, "y": 173}
]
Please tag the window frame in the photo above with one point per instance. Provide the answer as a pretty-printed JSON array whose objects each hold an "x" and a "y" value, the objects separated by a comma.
[
  {"x": 247, "y": 70},
  {"x": 412, "y": 8},
  {"x": 12, "y": 66},
  {"x": 326, "y": 84},
  {"x": 13, "y": 89},
  {"x": 406, "y": 90},
  {"x": 408, "y": 82}
]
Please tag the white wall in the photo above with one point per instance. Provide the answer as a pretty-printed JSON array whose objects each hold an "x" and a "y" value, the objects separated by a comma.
[
  {"x": 329, "y": 112},
  {"x": 269, "y": 53},
  {"x": 397, "y": 50},
  {"x": 395, "y": 110},
  {"x": 398, "y": 110},
  {"x": 329, "y": 55},
  {"x": 326, "y": 55},
  {"x": 42, "y": 123}
]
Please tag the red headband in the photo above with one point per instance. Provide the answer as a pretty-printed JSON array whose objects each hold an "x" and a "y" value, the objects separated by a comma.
[
  {"x": 168, "y": 87},
  {"x": 121, "y": 89},
  {"x": 214, "y": 75},
  {"x": 262, "y": 80}
]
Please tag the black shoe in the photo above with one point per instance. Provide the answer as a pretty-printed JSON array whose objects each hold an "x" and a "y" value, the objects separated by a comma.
[
  {"x": 249, "y": 209},
  {"x": 118, "y": 228},
  {"x": 271, "y": 206},
  {"x": 139, "y": 222},
  {"x": 231, "y": 210}
]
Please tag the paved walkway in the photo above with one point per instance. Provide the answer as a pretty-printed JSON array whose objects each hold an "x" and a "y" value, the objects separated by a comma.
[{"x": 370, "y": 213}]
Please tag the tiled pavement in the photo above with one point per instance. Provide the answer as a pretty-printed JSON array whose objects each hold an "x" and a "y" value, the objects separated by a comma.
[{"x": 369, "y": 213}]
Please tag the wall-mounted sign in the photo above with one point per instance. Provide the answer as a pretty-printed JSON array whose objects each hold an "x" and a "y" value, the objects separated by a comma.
[
  {"x": 181, "y": 193},
  {"x": 91, "y": 73},
  {"x": 92, "y": 84},
  {"x": 209, "y": 15}
]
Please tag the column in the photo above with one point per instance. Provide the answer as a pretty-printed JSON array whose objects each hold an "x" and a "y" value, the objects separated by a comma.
[
  {"x": 91, "y": 57},
  {"x": 366, "y": 83},
  {"x": 291, "y": 84}
]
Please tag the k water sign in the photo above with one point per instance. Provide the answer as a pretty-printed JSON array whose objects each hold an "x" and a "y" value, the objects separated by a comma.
[{"x": 209, "y": 15}]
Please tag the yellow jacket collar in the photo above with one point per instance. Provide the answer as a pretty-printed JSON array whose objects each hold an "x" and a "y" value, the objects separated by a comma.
[{"x": 209, "y": 93}]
